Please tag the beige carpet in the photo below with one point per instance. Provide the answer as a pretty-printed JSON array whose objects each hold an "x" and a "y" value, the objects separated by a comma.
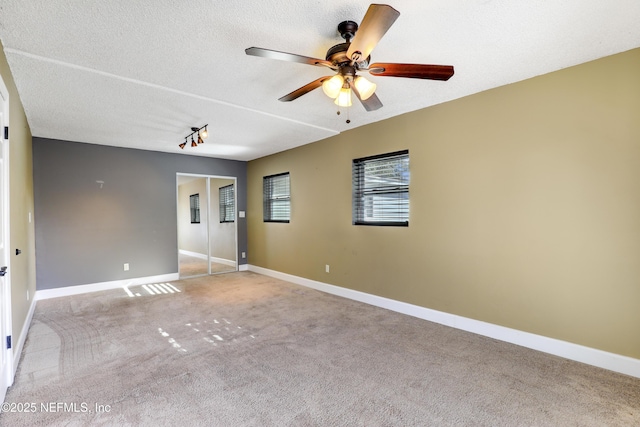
[{"x": 243, "y": 349}]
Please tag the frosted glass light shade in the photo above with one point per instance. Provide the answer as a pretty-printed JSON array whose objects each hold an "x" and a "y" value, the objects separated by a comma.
[
  {"x": 332, "y": 86},
  {"x": 344, "y": 98},
  {"x": 365, "y": 87}
]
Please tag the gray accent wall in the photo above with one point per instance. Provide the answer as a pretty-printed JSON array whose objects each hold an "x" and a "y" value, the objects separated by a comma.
[{"x": 86, "y": 230}]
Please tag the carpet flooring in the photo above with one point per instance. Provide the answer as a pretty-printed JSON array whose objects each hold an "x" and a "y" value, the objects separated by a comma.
[{"x": 242, "y": 349}]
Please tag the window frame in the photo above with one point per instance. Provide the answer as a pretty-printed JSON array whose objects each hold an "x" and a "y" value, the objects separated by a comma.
[
  {"x": 360, "y": 193},
  {"x": 227, "y": 203},
  {"x": 268, "y": 199}
]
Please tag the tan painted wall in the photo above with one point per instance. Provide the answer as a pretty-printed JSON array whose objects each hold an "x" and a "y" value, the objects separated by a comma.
[
  {"x": 525, "y": 207},
  {"x": 23, "y": 273}
]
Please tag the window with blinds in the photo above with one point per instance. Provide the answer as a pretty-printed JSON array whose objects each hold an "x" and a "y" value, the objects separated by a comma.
[
  {"x": 276, "y": 198},
  {"x": 381, "y": 189},
  {"x": 227, "y": 203},
  {"x": 194, "y": 204}
]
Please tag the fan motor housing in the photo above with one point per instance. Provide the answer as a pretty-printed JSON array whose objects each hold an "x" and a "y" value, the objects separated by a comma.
[{"x": 338, "y": 55}]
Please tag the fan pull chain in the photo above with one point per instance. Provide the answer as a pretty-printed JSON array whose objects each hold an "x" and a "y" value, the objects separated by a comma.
[{"x": 348, "y": 119}]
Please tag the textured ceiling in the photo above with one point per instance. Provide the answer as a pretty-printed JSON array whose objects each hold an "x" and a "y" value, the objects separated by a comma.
[{"x": 140, "y": 73}]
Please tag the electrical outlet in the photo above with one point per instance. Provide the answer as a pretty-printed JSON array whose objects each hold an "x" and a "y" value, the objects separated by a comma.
[
  {"x": 126, "y": 266},
  {"x": 244, "y": 255},
  {"x": 326, "y": 268}
]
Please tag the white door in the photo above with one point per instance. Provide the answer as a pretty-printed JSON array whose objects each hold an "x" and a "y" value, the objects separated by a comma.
[{"x": 6, "y": 369}]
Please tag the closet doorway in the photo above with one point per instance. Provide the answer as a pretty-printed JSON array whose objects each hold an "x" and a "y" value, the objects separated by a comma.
[{"x": 207, "y": 225}]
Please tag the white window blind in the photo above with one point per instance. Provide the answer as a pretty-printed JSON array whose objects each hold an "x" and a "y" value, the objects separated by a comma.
[
  {"x": 381, "y": 189},
  {"x": 194, "y": 204},
  {"x": 227, "y": 203},
  {"x": 276, "y": 198}
]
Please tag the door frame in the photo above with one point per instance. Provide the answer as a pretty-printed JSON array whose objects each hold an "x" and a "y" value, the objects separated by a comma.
[
  {"x": 5, "y": 259},
  {"x": 208, "y": 189}
]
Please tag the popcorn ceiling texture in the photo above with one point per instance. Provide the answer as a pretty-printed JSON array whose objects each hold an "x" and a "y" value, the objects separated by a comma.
[{"x": 140, "y": 74}]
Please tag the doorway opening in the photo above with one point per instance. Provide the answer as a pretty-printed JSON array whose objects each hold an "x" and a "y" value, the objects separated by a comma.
[{"x": 207, "y": 225}]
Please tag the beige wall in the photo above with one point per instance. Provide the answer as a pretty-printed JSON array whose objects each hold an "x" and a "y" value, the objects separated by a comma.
[
  {"x": 23, "y": 276},
  {"x": 525, "y": 207}
]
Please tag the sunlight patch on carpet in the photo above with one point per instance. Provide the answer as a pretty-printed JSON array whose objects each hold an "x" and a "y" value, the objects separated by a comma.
[
  {"x": 217, "y": 331},
  {"x": 172, "y": 341},
  {"x": 153, "y": 289}
]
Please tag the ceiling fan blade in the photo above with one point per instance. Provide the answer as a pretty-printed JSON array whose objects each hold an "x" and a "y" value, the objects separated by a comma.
[
  {"x": 304, "y": 89},
  {"x": 284, "y": 56},
  {"x": 412, "y": 71},
  {"x": 372, "y": 103},
  {"x": 378, "y": 19}
]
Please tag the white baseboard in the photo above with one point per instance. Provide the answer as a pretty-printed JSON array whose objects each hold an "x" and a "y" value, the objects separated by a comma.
[
  {"x": 103, "y": 286},
  {"x": 243, "y": 267},
  {"x": 591, "y": 356},
  {"x": 17, "y": 351},
  {"x": 229, "y": 262},
  {"x": 193, "y": 254}
]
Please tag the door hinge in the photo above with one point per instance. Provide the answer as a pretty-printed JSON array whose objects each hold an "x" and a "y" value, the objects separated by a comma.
[
  {"x": 8, "y": 342},
  {"x": 6, "y": 132}
]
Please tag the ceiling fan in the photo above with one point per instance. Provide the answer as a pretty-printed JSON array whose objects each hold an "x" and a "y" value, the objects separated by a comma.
[{"x": 348, "y": 58}]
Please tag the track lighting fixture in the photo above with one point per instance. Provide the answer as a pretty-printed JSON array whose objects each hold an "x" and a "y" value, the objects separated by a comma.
[{"x": 202, "y": 135}]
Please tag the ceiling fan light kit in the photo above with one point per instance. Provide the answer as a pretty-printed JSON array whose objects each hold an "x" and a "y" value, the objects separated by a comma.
[
  {"x": 202, "y": 135},
  {"x": 353, "y": 56}
]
